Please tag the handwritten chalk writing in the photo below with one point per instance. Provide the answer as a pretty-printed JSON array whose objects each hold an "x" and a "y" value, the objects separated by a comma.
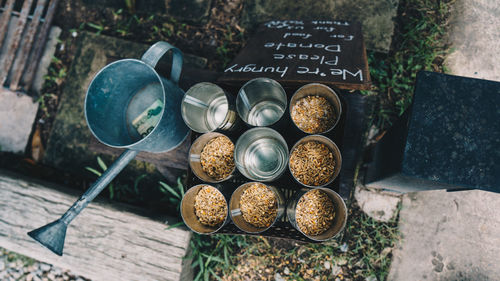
[
  {"x": 325, "y": 28},
  {"x": 345, "y": 72},
  {"x": 321, "y": 59},
  {"x": 328, "y": 48},
  {"x": 329, "y": 22},
  {"x": 306, "y": 70},
  {"x": 257, "y": 69},
  {"x": 300, "y": 35},
  {"x": 286, "y": 24},
  {"x": 342, "y": 36}
]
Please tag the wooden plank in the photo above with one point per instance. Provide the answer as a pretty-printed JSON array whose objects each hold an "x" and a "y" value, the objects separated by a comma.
[
  {"x": 23, "y": 54},
  {"x": 16, "y": 39},
  {"x": 296, "y": 52},
  {"x": 104, "y": 243},
  {"x": 40, "y": 45},
  {"x": 4, "y": 22}
]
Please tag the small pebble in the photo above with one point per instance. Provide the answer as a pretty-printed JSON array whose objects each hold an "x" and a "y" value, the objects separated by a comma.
[
  {"x": 371, "y": 278},
  {"x": 336, "y": 270},
  {"x": 278, "y": 277},
  {"x": 286, "y": 271},
  {"x": 344, "y": 247},
  {"x": 327, "y": 264},
  {"x": 45, "y": 267}
]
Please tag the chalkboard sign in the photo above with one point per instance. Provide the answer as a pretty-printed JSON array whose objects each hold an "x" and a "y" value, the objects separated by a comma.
[{"x": 294, "y": 52}]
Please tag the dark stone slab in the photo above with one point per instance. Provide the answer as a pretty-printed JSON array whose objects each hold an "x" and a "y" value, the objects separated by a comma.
[
  {"x": 448, "y": 140},
  {"x": 375, "y": 16},
  {"x": 454, "y": 131}
]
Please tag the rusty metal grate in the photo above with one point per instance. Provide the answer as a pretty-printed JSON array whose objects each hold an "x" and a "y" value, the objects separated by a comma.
[{"x": 24, "y": 26}]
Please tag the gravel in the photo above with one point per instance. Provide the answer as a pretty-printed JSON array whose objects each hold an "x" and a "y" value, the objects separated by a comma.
[{"x": 15, "y": 267}]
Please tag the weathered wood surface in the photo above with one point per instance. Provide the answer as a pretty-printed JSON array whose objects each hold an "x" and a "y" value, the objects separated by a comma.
[{"x": 103, "y": 243}]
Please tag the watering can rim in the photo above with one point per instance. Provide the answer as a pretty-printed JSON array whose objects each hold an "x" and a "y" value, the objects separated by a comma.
[{"x": 132, "y": 145}]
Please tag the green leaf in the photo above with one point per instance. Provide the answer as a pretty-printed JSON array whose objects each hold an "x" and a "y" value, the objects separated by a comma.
[
  {"x": 93, "y": 171},
  {"x": 214, "y": 275},
  {"x": 206, "y": 275},
  {"x": 111, "y": 191},
  {"x": 101, "y": 164},
  {"x": 180, "y": 186},
  {"x": 170, "y": 189},
  {"x": 136, "y": 183},
  {"x": 174, "y": 225},
  {"x": 198, "y": 276}
]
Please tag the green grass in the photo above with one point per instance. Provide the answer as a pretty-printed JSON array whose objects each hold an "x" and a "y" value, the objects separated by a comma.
[
  {"x": 418, "y": 45},
  {"x": 364, "y": 251}
]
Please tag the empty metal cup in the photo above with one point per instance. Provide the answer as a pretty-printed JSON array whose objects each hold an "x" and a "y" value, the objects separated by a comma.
[
  {"x": 261, "y": 154},
  {"x": 333, "y": 149},
  {"x": 237, "y": 216},
  {"x": 261, "y": 102},
  {"x": 206, "y": 107},
  {"x": 188, "y": 212},
  {"x": 316, "y": 89},
  {"x": 338, "y": 223},
  {"x": 195, "y": 159}
]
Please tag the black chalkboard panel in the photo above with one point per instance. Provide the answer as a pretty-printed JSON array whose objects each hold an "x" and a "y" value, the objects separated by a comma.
[{"x": 295, "y": 52}]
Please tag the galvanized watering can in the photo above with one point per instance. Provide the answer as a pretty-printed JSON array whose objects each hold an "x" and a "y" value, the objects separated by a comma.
[{"x": 128, "y": 105}]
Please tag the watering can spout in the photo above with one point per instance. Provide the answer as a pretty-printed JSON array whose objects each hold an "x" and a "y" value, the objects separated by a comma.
[{"x": 51, "y": 236}]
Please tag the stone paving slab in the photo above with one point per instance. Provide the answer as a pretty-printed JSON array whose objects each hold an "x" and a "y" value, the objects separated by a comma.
[
  {"x": 448, "y": 236},
  {"x": 475, "y": 36},
  {"x": 17, "y": 114},
  {"x": 376, "y": 16}
]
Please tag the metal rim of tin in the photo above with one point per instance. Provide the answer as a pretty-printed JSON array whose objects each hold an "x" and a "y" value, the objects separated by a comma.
[
  {"x": 337, "y": 105},
  {"x": 206, "y": 138},
  {"x": 331, "y": 146},
  {"x": 269, "y": 80},
  {"x": 342, "y": 206},
  {"x": 193, "y": 88},
  {"x": 192, "y": 221},
  {"x": 237, "y": 212}
]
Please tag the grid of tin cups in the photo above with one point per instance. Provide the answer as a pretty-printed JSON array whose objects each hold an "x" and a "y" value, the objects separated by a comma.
[{"x": 261, "y": 154}]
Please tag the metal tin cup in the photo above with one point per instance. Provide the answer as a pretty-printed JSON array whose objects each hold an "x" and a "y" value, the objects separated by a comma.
[
  {"x": 333, "y": 149},
  {"x": 206, "y": 107},
  {"x": 261, "y": 102},
  {"x": 188, "y": 212},
  {"x": 237, "y": 216},
  {"x": 316, "y": 89},
  {"x": 195, "y": 159},
  {"x": 338, "y": 223},
  {"x": 261, "y": 154}
]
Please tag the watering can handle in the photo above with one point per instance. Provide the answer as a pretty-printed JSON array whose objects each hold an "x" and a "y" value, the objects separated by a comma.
[{"x": 156, "y": 52}]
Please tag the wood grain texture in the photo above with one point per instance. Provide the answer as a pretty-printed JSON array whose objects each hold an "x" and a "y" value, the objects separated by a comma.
[{"x": 103, "y": 243}]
